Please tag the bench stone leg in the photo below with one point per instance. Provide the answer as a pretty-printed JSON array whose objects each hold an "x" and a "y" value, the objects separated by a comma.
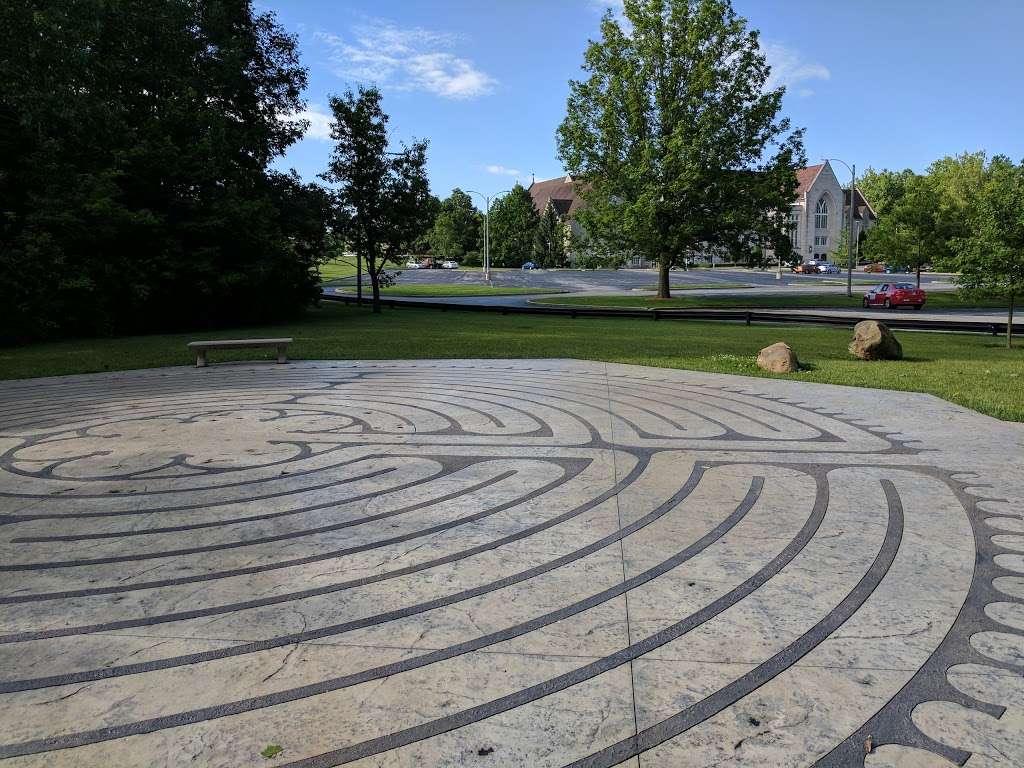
[
  {"x": 281, "y": 358},
  {"x": 200, "y": 358}
]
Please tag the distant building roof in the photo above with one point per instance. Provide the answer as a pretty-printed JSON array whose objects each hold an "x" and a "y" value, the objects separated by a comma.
[
  {"x": 560, "y": 192},
  {"x": 805, "y": 177}
]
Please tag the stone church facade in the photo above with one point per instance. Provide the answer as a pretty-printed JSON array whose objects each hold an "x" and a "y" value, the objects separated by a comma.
[
  {"x": 815, "y": 221},
  {"x": 820, "y": 212}
]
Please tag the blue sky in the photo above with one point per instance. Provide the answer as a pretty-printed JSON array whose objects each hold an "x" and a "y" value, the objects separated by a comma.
[{"x": 885, "y": 84}]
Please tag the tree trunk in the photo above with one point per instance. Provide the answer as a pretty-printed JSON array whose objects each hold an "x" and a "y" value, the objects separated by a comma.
[
  {"x": 375, "y": 283},
  {"x": 359, "y": 277},
  {"x": 663, "y": 290},
  {"x": 1009, "y": 325},
  {"x": 919, "y": 278}
]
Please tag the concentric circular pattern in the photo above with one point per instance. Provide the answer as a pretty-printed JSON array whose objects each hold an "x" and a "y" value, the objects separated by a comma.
[{"x": 486, "y": 563}]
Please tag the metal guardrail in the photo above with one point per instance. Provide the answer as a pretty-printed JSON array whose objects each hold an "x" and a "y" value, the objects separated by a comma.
[{"x": 747, "y": 316}]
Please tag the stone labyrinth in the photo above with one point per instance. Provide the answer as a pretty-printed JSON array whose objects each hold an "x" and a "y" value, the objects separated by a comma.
[{"x": 533, "y": 563}]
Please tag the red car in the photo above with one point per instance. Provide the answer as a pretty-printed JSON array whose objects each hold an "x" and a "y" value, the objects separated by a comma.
[{"x": 894, "y": 295}]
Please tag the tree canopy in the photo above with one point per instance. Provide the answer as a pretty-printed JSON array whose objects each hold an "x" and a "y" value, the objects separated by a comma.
[
  {"x": 457, "y": 227},
  {"x": 911, "y": 231},
  {"x": 382, "y": 200},
  {"x": 513, "y": 225},
  {"x": 549, "y": 239},
  {"x": 990, "y": 258},
  {"x": 136, "y": 190},
  {"x": 676, "y": 137}
]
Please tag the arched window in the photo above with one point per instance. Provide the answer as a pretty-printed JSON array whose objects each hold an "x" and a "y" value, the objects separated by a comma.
[{"x": 821, "y": 214}]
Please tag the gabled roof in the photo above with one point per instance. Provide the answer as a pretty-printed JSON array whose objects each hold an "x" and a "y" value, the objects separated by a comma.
[
  {"x": 560, "y": 192},
  {"x": 805, "y": 178},
  {"x": 863, "y": 208}
]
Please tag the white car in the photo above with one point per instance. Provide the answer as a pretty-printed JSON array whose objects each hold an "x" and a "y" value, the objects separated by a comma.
[
  {"x": 449, "y": 264},
  {"x": 828, "y": 268},
  {"x": 412, "y": 264}
]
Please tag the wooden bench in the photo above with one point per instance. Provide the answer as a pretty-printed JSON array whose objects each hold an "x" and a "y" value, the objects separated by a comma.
[{"x": 202, "y": 347}]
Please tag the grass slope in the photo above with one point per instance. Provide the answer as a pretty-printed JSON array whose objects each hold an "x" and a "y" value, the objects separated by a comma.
[
  {"x": 974, "y": 371},
  {"x": 936, "y": 300}
]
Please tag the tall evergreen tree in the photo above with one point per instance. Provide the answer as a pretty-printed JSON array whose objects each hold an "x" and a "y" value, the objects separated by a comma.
[
  {"x": 382, "y": 202},
  {"x": 675, "y": 135},
  {"x": 513, "y": 225},
  {"x": 549, "y": 239},
  {"x": 136, "y": 140}
]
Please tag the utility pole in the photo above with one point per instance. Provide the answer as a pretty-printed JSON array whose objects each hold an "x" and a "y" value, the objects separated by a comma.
[
  {"x": 849, "y": 226},
  {"x": 849, "y": 247},
  {"x": 487, "y": 229}
]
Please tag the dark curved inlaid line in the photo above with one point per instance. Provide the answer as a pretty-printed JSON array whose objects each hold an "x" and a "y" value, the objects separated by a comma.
[
  {"x": 724, "y": 697},
  {"x": 224, "y": 710},
  {"x": 301, "y": 510},
  {"x": 599, "y": 499},
  {"x": 139, "y": 556},
  {"x": 227, "y": 521},
  {"x": 561, "y": 682},
  {"x": 191, "y": 491},
  {"x": 730, "y": 433}
]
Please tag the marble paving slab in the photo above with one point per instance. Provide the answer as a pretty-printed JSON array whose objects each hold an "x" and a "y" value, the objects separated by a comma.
[{"x": 504, "y": 563}]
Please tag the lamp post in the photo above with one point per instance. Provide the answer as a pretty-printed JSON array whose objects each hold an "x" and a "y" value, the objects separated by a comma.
[
  {"x": 487, "y": 228},
  {"x": 849, "y": 226}
]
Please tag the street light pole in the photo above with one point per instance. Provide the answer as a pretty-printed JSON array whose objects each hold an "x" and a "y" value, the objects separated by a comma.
[
  {"x": 849, "y": 226},
  {"x": 487, "y": 228}
]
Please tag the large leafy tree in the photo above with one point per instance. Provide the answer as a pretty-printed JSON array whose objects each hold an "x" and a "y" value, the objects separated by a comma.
[
  {"x": 676, "y": 137},
  {"x": 910, "y": 232},
  {"x": 457, "y": 226},
  {"x": 991, "y": 258},
  {"x": 136, "y": 190},
  {"x": 382, "y": 199},
  {"x": 513, "y": 225}
]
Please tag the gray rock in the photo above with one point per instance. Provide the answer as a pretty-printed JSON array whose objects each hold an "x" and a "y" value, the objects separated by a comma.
[
  {"x": 873, "y": 340},
  {"x": 778, "y": 358}
]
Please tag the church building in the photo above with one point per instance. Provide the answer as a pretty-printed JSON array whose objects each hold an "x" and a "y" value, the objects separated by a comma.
[{"x": 816, "y": 220}]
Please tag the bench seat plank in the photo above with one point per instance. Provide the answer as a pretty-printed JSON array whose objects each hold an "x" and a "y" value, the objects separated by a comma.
[{"x": 201, "y": 347}]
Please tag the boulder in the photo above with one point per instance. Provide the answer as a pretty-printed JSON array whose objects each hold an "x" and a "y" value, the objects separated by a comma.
[
  {"x": 778, "y": 358},
  {"x": 873, "y": 340}
]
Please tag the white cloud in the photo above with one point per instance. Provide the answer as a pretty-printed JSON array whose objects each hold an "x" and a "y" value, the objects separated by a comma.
[
  {"x": 319, "y": 122},
  {"x": 411, "y": 59},
  {"x": 789, "y": 67},
  {"x": 501, "y": 170}
]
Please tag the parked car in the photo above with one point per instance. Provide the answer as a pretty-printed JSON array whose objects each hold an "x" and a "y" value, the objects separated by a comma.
[
  {"x": 895, "y": 269},
  {"x": 829, "y": 268},
  {"x": 449, "y": 264},
  {"x": 895, "y": 295},
  {"x": 876, "y": 267},
  {"x": 807, "y": 268},
  {"x": 428, "y": 263},
  {"x": 529, "y": 265},
  {"x": 412, "y": 264}
]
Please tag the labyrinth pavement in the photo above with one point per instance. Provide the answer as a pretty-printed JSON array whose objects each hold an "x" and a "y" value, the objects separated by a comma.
[{"x": 505, "y": 563}]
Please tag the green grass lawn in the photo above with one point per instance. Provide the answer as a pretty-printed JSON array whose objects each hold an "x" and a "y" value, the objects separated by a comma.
[
  {"x": 341, "y": 271},
  {"x": 936, "y": 300},
  {"x": 336, "y": 270},
  {"x": 972, "y": 370},
  {"x": 448, "y": 289}
]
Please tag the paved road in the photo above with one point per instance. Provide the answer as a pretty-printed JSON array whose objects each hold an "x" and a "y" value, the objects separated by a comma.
[
  {"x": 611, "y": 281},
  {"x": 504, "y": 563}
]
